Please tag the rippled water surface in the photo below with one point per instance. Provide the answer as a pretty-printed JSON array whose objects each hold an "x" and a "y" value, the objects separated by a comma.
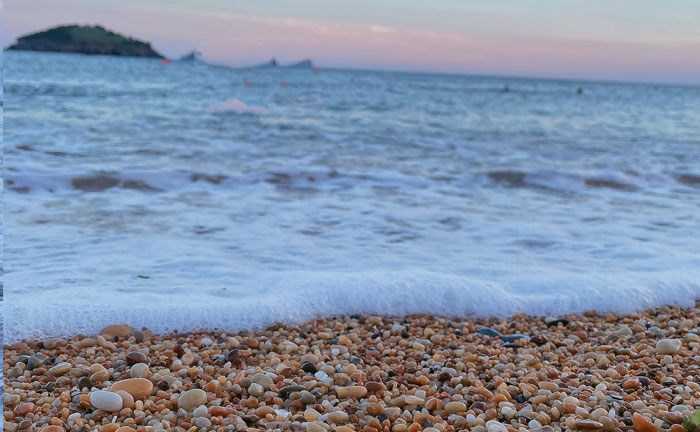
[{"x": 139, "y": 192}]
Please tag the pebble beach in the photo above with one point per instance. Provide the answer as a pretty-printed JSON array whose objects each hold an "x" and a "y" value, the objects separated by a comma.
[{"x": 366, "y": 373}]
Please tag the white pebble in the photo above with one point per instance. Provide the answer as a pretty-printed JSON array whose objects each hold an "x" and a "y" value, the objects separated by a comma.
[{"x": 106, "y": 400}]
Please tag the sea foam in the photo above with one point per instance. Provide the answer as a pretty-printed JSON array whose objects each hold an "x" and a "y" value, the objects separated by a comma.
[{"x": 294, "y": 297}]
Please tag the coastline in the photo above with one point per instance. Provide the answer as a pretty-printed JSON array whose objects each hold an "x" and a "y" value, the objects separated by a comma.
[{"x": 368, "y": 373}]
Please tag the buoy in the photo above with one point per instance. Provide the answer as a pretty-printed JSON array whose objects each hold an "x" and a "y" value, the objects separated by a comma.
[
  {"x": 248, "y": 84},
  {"x": 165, "y": 61},
  {"x": 314, "y": 70},
  {"x": 284, "y": 84}
]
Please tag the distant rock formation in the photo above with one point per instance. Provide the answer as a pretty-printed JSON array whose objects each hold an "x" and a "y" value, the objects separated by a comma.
[
  {"x": 194, "y": 56},
  {"x": 273, "y": 63},
  {"x": 84, "y": 40}
]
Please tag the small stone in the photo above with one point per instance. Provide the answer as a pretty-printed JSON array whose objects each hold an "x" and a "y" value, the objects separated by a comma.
[
  {"x": 84, "y": 382},
  {"x": 641, "y": 424},
  {"x": 256, "y": 390},
  {"x": 262, "y": 379},
  {"x": 413, "y": 400},
  {"x": 588, "y": 424},
  {"x": 308, "y": 367},
  {"x": 494, "y": 426},
  {"x": 10, "y": 399},
  {"x": 136, "y": 357},
  {"x": 668, "y": 346},
  {"x": 291, "y": 389},
  {"x": 454, "y": 407},
  {"x": 191, "y": 399},
  {"x": 338, "y": 417},
  {"x": 675, "y": 417},
  {"x": 106, "y": 400},
  {"x": 121, "y": 331},
  {"x": 554, "y": 321},
  {"x": 139, "y": 388},
  {"x": 373, "y": 386},
  {"x": 624, "y": 331},
  {"x": 139, "y": 336},
  {"x": 60, "y": 369},
  {"x": 374, "y": 409},
  {"x": 351, "y": 392},
  {"x": 250, "y": 418},
  {"x": 631, "y": 383},
  {"x": 308, "y": 398},
  {"x": 139, "y": 370},
  {"x": 513, "y": 337},
  {"x": 38, "y": 359},
  {"x": 488, "y": 331},
  {"x": 127, "y": 399},
  {"x": 202, "y": 422},
  {"x": 314, "y": 427},
  {"x": 24, "y": 408}
]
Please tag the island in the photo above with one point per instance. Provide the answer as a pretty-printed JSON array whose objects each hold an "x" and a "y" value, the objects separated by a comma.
[{"x": 84, "y": 40}]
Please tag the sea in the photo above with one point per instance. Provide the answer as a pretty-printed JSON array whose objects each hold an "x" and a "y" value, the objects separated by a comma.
[{"x": 188, "y": 196}]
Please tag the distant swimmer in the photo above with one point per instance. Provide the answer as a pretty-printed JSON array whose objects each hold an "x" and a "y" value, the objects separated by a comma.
[
  {"x": 506, "y": 89},
  {"x": 248, "y": 84},
  {"x": 580, "y": 90}
]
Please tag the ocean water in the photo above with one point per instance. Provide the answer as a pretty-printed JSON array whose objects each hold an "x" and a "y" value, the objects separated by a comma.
[{"x": 178, "y": 197}]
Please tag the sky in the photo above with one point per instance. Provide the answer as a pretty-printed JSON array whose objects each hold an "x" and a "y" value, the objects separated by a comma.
[{"x": 620, "y": 40}]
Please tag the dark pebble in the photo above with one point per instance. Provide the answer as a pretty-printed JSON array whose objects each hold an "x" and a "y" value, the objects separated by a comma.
[
  {"x": 250, "y": 418},
  {"x": 138, "y": 335},
  {"x": 556, "y": 321},
  {"x": 179, "y": 350},
  {"x": 234, "y": 356},
  {"x": 520, "y": 398},
  {"x": 136, "y": 357},
  {"x": 510, "y": 345},
  {"x": 382, "y": 417},
  {"x": 291, "y": 389},
  {"x": 84, "y": 382},
  {"x": 488, "y": 331},
  {"x": 513, "y": 337},
  {"x": 308, "y": 367},
  {"x": 445, "y": 376}
]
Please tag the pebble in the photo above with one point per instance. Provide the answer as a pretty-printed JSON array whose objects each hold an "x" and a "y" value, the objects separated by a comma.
[
  {"x": 455, "y": 407},
  {"x": 136, "y": 357},
  {"x": 351, "y": 392},
  {"x": 139, "y": 388},
  {"x": 106, "y": 400},
  {"x": 513, "y": 337},
  {"x": 668, "y": 346},
  {"x": 256, "y": 390},
  {"x": 60, "y": 369},
  {"x": 262, "y": 379},
  {"x": 488, "y": 332},
  {"x": 554, "y": 321},
  {"x": 588, "y": 424},
  {"x": 121, "y": 331},
  {"x": 139, "y": 370},
  {"x": 641, "y": 424},
  {"x": 191, "y": 399}
]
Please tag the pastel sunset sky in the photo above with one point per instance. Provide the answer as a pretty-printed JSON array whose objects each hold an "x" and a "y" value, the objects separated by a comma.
[{"x": 630, "y": 40}]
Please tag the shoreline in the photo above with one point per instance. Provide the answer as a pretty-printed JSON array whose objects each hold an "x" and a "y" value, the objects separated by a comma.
[{"x": 367, "y": 373}]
